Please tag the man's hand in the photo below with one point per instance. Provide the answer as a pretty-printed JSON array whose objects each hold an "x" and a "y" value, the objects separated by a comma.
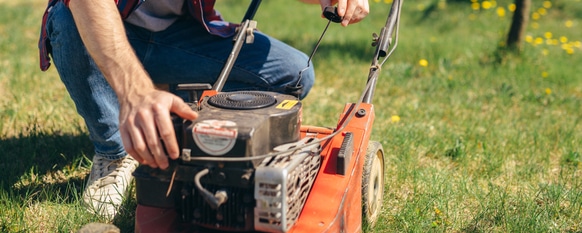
[
  {"x": 146, "y": 126},
  {"x": 352, "y": 11}
]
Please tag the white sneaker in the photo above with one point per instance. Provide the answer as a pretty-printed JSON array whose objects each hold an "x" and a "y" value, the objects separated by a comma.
[{"x": 108, "y": 184}]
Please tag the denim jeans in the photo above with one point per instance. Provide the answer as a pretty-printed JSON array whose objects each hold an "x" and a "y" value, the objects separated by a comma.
[{"x": 183, "y": 53}]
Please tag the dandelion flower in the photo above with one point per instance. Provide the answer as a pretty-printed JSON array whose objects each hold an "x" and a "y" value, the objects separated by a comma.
[
  {"x": 547, "y": 4},
  {"x": 538, "y": 41},
  {"x": 395, "y": 118},
  {"x": 437, "y": 211},
  {"x": 486, "y": 5},
  {"x": 388, "y": 1},
  {"x": 529, "y": 39},
  {"x": 548, "y": 91},
  {"x": 442, "y": 4},
  {"x": 542, "y": 11},
  {"x": 535, "y": 16},
  {"x": 569, "y": 23},
  {"x": 475, "y": 6},
  {"x": 423, "y": 62},
  {"x": 563, "y": 39},
  {"x": 511, "y": 7},
  {"x": 545, "y": 74},
  {"x": 501, "y": 11},
  {"x": 535, "y": 25},
  {"x": 548, "y": 35},
  {"x": 545, "y": 52}
]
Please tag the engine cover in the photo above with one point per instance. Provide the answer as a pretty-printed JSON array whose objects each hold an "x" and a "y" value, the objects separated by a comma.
[{"x": 241, "y": 124}]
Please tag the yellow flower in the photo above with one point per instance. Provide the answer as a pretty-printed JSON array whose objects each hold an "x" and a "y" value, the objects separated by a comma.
[
  {"x": 542, "y": 11},
  {"x": 486, "y": 5},
  {"x": 538, "y": 41},
  {"x": 570, "y": 51},
  {"x": 548, "y": 91},
  {"x": 547, "y": 4},
  {"x": 563, "y": 39},
  {"x": 437, "y": 211},
  {"x": 569, "y": 23},
  {"x": 442, "y": 4},
  {"x": 545, "y": 52},
  {"x": 501, "y": 11},
  {"x": 535, "y": 25},
  {"x": 535, "y": 16},
  {"x": 548, "y": 35},
  {"x": 545, "y": 74},
  {"x": 475, "y": 6},
  {"x": 529, "y": 39},
  {"x": 511, "y": 7},
  {"x": 388, "y": 1},
  {"x": 395, "y": 118},
  {"x": 423, "y": 62}
]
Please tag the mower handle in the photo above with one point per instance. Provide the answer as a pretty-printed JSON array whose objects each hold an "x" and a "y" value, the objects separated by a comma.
[
  {"x": 244, "y": 34},
  {"x": 384, "y": 48}
]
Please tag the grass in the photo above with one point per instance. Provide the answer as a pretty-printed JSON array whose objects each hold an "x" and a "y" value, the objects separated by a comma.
[{"x": 478, "y": 140}]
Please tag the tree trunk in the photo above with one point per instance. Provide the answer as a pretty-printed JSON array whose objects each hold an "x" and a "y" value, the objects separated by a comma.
[{"x": 518, "y": 24}]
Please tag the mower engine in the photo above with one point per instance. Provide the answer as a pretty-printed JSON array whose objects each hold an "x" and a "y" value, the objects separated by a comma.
[{"x": 242, "y": 167}]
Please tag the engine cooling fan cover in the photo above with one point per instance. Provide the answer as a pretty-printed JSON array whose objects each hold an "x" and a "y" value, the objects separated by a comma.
[{"x": 242, "y": 100}]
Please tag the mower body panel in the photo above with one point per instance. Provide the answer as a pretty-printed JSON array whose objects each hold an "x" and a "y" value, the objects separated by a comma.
[{"x": 334, "y": 203}]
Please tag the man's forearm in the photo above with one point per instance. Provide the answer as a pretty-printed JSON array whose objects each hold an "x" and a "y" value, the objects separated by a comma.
[{"x": 103, "y": 34}]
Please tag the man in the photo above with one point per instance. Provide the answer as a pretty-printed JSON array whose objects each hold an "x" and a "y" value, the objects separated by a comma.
[{"x": 110, "y": 54}]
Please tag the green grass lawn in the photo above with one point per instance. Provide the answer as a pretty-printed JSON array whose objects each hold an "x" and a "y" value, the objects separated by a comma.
[{"x": 476, "y": 139}]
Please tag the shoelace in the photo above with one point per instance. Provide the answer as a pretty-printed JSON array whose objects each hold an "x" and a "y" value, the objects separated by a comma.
[{"x": 109, "y": 170}]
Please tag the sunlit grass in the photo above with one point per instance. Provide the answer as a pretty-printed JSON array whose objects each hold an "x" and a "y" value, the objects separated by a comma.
[{"x": 475, "y": 140}]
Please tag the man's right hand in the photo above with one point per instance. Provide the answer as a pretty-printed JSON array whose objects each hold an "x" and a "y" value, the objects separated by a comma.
[{"x": 145, "y": 124}]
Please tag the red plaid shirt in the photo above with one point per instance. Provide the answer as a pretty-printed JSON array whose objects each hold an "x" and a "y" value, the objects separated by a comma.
[{"x": 201, "y": 10}]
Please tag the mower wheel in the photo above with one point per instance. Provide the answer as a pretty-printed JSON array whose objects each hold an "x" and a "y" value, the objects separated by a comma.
[{"x": 372, "y": 184}]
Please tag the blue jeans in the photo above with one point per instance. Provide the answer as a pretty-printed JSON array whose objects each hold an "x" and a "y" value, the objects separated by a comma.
[{"x": 183, "y": 53}]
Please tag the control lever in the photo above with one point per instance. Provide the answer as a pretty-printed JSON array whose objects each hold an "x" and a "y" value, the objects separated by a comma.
[{"x": 330, "y": 13}]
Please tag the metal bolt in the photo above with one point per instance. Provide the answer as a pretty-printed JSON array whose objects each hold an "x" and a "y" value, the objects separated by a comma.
[{"x": 361, "y": 112}]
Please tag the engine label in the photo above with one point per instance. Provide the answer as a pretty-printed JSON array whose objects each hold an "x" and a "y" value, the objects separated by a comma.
[
  {"x": 287, "y": 104},
  {"x": 215, "y": 137}
]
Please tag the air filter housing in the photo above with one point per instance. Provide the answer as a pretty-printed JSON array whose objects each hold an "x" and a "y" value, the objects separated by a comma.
[{"x": 242, "y": 124}]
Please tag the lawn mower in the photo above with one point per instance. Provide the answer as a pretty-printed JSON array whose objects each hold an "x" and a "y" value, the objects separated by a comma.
[{"x": 247, "y": 163}]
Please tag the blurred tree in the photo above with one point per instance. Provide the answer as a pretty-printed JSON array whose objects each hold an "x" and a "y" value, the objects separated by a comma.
[{"x": 518, "y": 24}]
